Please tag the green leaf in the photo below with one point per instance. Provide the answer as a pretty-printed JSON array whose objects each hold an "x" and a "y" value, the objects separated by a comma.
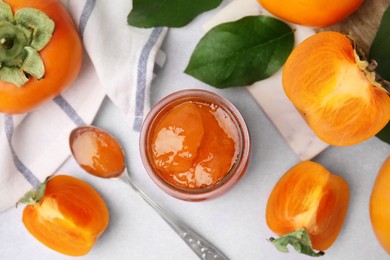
[
  {"x": 5, "y": 11},
  {"x": 242, "y": 52},
  {"x": 171, "y": 13},
  {"x": 21, "y": 37},
  {"x": 39, "y": 22},
  {"x": 299, "y": 240},
  {"x": 380, "y": 50},
  {"x": 13, "y": 75},
  {"x": 33, "y": 63},
  {"x": 384, "y": 134}
]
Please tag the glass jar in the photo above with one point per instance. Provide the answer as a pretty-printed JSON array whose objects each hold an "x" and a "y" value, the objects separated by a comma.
[{"x": 203, "y": 135}]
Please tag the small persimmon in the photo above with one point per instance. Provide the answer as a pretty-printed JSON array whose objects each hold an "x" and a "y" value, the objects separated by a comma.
[
  {"x": 380, "y": 206},
  {"x": 334, "y": 90},
  {"x": 65, "y": 214},
  {"x": 315, "y": 13},
  {"x": 307, "y": 206}
]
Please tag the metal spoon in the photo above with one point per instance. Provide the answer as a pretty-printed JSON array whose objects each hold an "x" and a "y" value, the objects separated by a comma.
[{"x": 100, "y": 154}]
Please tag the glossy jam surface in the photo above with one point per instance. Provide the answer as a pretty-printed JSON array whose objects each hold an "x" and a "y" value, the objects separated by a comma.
[
  {"x": 97, "y": 152},
  {"x": 194, "y": 145}
]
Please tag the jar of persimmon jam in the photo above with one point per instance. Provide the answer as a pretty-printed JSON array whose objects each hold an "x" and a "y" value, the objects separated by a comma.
[{"x": 194, "y": 145}]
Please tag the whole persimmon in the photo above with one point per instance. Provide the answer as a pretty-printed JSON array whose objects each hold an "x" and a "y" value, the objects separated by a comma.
[
  {"x": 40, "y": 53},
  {"x": 380, "y": 206},
  {"x": 315, "y": 13},
  {"x": 65, "y": 214},
  {"x": 307, "y": 207},
  {"x": 334, "y": 90}
]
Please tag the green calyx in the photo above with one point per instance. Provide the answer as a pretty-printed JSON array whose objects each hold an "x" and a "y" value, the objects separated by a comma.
[
  {"x": 22, "y": 36},
  {"x": 299, "y": 240},
  {"x": 33, "y": 197}
]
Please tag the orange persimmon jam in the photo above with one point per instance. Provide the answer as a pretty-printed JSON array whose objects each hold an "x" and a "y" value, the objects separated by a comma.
[
  {"x": 97, "y": 152},
  {"x": 193, "y": 142},
  {"x": 193, "y": 146}
]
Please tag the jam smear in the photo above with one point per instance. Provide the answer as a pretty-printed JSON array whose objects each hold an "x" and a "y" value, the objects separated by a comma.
[
  {"x": 97, "y": 152},
  {"x": 194, "y": 145}
]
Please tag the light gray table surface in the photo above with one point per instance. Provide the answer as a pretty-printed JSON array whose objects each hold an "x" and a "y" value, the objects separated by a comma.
[{"x": 234, "y": 222}]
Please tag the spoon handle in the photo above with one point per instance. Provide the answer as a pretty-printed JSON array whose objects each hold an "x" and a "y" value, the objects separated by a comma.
[{"x": 203, "y": 248}]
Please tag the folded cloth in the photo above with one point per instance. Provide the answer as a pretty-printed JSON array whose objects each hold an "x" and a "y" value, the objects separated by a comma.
[{"x": 118, "y": 63}]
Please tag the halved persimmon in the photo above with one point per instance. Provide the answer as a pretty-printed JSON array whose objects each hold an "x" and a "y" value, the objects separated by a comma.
[
  {"x": 334, "y": 90},
  {"x": 66, "y": 214},
  {"x": 307, "y": 201}
]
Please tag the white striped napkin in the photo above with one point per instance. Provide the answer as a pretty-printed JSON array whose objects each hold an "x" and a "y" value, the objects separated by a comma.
[{"x": 118, "y": 62}]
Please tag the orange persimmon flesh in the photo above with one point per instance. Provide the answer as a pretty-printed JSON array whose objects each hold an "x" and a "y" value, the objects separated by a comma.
[
  {"x": 194, "y": 145},
  {"x": 323, "y": 78},
  {"x": 316, "y": 13},
  {"x": 69, "y": 218},
  {"x": 308, "y": 196},
  {"x": 97, "y": 152},
  {"x": 380, "y": 206}
]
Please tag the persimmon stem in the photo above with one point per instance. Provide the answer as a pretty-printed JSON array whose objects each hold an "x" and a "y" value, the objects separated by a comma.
[
  {"x": 372, "y": 66},
  {"x": 299, "y": 240},
  {"x": 33, "y": 197},
  {"x": 22, "y": 35},
  {"x": 6, "y": 43}
]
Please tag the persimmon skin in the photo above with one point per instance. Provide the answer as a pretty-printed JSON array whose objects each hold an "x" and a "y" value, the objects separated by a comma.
[
  {"x": 322, "y": 79},
  {"x": 314, "y": 13},
  {"x": 70, "y": 217},
  {"x": 380, "y": 206},
  {"x": 62, "y": 58},
  {"x": 309, "y": 196}
]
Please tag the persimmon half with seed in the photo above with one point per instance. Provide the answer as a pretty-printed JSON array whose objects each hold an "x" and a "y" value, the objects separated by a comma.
[
  {"x": 334, "y": 90},
  {"x": 307, "y": 207}
]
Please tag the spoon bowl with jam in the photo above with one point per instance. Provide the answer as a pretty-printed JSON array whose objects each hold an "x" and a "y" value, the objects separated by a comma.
[{"x": 101, "y": 155}]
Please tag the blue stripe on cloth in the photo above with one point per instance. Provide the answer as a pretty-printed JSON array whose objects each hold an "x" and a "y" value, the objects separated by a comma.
[
  {"x": 141, "y": 77},
  {"x": 30, "y": 177},
  {"x": 59, "y": 100},
  {"x": 85, "y": 14},
  {"x": 69, "y": 110}
]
